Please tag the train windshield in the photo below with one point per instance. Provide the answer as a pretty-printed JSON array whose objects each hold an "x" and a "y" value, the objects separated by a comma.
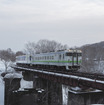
[
  {"x": 69, "y": 54},
  {"x": 73, "y": 54}
]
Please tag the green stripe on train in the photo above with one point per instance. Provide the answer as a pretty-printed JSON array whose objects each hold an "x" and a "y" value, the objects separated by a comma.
[{"x": 59, "y": 61}]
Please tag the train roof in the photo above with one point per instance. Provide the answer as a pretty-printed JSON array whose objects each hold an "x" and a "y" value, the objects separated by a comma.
[
  {"x": 62, "y": 51},
  {"x": 58, "y": 52}
]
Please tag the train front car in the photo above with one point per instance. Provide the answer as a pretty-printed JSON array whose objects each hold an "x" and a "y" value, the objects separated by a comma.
[
  {"x": 60, "y": 60},
  {"x": 73, "y": 59}
]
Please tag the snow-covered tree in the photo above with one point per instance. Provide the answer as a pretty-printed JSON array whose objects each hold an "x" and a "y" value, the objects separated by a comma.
[{"x": 7, "y": 57}]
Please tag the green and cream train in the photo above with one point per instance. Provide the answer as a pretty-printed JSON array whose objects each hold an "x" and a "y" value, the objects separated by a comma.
[{"x": 60, "y": 60}]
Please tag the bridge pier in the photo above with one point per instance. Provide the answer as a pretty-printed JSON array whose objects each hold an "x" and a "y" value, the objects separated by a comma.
[
  {"x": 11, "y": 84},
  {"x": 52, "y": 91},
  {"x": 49, "y": 93}
]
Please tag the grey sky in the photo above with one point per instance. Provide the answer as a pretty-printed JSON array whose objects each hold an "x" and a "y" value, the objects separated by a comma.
[{"x": 71, "y": 22}]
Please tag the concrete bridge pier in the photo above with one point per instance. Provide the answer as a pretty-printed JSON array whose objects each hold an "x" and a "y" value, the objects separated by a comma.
[
  {"x": 50, "y": 92},
  {"x": 53, "y": 93}
]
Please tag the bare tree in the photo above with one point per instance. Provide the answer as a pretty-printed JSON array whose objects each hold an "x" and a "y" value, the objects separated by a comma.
[
  {"x": 7, "y": 57},
  {"x": 43, "y": 46},
  {"x": 19, "y": 53},
  {"x": 49, "y": 46},
  {"x": 30, "y": 48}
]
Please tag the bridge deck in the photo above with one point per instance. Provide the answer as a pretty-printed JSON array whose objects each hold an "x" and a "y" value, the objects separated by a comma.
[{"x": 67, "y": 79}]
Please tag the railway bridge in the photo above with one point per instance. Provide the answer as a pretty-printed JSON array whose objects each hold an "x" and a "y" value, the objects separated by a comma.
[{"x": 74, "y": 79}]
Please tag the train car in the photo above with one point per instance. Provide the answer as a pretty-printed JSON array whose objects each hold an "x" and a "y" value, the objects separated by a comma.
[{"x": 66, "y": 60}]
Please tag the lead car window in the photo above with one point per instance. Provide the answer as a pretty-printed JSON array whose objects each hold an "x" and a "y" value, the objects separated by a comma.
[
  {"x": 69, "y": 54},
  {"x": 73, "y": 54}
]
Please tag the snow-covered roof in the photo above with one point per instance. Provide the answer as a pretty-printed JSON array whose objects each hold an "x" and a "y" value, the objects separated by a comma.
[{"x": 13, "y": 75}]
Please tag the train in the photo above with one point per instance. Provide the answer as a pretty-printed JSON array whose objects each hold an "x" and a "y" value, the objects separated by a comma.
[{"x": 60, "y": 60}]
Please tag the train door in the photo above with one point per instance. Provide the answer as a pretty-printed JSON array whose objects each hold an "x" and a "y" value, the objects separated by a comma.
[
  {"x": 60, "y": 59},
  {"x": 74, "y": 59},
  {"x": 79, "y": 58}
]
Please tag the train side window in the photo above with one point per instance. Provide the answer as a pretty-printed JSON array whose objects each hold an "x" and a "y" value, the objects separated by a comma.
[
  {"x": 52, "y": 57},
  {"x": 59, "y": 56},
  {"x": 29, "y": 58}
]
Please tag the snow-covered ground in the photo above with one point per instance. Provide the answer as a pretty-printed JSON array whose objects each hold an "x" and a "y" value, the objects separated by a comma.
[
  {"x": 1, "y": 92},
  {"x": 2, "y": 69}
]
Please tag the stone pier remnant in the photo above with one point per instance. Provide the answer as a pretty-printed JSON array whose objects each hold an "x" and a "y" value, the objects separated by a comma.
[
  {"x": 12, "y": 83},
  {"x": 85, "y": 97}
]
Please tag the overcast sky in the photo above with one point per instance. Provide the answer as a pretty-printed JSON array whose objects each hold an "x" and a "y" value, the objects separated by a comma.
[{"x": 71, "y": 22}]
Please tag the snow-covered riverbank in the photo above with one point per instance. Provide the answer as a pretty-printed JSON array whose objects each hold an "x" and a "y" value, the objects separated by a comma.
[
  {"x": 2, "y": 69},
  {"x": 1, "y": 91}
]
